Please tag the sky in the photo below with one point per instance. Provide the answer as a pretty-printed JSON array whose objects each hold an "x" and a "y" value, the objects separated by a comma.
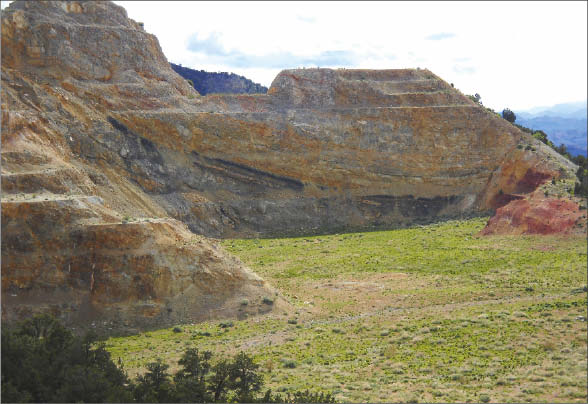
[{"x": 518, "y": 55}]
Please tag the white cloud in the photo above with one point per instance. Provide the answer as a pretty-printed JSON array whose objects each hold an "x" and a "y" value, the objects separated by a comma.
[
  {"x": 212, "y": 49},
  {"x": 516, "y": 54},
  {"x": 440, "y": 36}
]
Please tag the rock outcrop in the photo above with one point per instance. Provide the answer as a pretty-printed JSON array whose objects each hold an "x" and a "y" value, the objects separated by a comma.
[
  {"x": 538, "y": 214},
  {"x": 79, "y": 239},
  {"x": 105, "y": 150},
  {"x": 328, "y": 150}
]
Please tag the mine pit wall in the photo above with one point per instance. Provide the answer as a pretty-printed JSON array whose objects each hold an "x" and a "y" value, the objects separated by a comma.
[
  {"x": 313, "y": 171},
  {"x": 102, "y": 142},
  {"x": 66, "y": 257},
  {"x": 323, "y": 150},
  {"x": 305, "y": 216}
]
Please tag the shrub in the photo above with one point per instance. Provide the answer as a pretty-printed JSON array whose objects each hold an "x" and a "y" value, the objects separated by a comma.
[
  {"x": 42, "y": 361},
  {"x": 541, "y": 136},
  {"x": 509, "y": 115},
  {"x": 475, "y": 98},
  {"x": 267, "y": 300},
  {"x": 298, "y": 397},
  {"x": 289, "y": 363},
  {"x": 177, "y": 329}
]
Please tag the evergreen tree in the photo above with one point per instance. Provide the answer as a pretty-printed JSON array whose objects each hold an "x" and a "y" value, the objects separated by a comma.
[
  {"x": 155, "y": 385},
  {"x": 220, "y": 380},
  {"x": 42, "y": 361},
  {"x": 244, "y": 377},
  {"x": 190, "y": 379},
  {"x": 509, "y": 115}
]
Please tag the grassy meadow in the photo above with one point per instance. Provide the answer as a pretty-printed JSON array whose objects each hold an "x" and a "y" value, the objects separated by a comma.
[{"x": 431, "y": 313}]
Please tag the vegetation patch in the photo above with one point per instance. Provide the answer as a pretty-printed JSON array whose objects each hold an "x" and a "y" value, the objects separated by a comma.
[{"x": 431, "y": 313}]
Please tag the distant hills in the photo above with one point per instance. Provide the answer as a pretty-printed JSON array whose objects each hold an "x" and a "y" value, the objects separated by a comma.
[
  {"x": 214, "y": 83},
  {"x": 566, "y": 110},
  {"x": 563, "y": 123}
]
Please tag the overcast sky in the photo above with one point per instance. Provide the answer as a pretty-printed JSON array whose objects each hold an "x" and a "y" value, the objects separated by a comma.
[{"x": 514, "y": 54}]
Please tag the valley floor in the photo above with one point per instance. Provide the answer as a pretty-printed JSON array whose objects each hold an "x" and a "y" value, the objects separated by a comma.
[{"x": 431, "y": 313}]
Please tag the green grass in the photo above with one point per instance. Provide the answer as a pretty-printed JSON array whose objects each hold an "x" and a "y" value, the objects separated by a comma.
[
  {"x": 432, "y": 313},
  {"x": 450, "y": 248}
]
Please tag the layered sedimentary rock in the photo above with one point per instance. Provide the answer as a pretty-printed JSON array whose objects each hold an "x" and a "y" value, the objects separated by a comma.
[
  {"x": 80, "y": 238},
  {"x": 69, "y": 251},
  {"x": 103, "y": 146},
  {"x": 329, "y": 150}
]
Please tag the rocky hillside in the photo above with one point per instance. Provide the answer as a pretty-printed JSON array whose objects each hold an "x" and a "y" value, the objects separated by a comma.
[
  {"x": 219, "y": 83},
  {"x": 327, "y": 150},
  {"x": 79, "y": 239},
  {"x": 108, "y": 154}
]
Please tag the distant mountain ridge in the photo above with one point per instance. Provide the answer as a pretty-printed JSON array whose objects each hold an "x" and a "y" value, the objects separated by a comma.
[
  {"x": 215, "y": 83},
  {"x": 565, "y": 110},
  {"x": 563, "y": 124}
]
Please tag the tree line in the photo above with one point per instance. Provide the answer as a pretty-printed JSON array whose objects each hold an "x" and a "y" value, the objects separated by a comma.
[
  {"x": 216, "y": 83},
  {"x": 43, "y": 361}
]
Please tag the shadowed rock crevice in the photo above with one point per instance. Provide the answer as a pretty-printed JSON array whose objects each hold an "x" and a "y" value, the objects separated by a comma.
[{"x": 244, "y": 173}]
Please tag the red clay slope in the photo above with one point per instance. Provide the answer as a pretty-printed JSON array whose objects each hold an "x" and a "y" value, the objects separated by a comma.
[{"x": 538, "y": 214}]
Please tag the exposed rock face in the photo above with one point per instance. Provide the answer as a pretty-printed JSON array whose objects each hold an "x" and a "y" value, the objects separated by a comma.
[
  {"x": 79, "y": 239},
  {"x": 68, "y": 251},
  {"x": 538, "y": 214},
  {"x": 69, "y": 256},
  {"x": 96, "y": 126},
  {"x": 328, "y": 150}
]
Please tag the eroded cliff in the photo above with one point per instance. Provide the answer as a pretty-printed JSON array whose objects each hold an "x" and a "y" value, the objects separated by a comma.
[
  {"x": 103, "y": 146},
  {"x": 80, "y": 239}
]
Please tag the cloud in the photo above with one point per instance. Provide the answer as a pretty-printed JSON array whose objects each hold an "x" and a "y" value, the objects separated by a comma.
[
  {"x": 213, "y": 49},
  {"x": 281, "y": 60},
  {"x": 306, "y": 19},
  {"x": 464, "y": 69},
  {"x": 210, "y": 46},
  {"x": 341, "y": 57},
  {"x": 440, "y": 36}
]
